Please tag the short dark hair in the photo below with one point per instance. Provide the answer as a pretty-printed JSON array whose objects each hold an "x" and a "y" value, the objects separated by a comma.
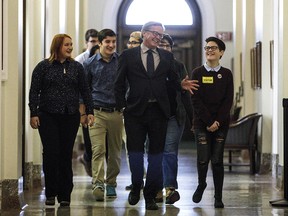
[
  {"x": 168, "y": 38},
  {"x": 220, "y": 43},
  {"x": 105, "y": 33},
  {"x": 90, "y": 33}
]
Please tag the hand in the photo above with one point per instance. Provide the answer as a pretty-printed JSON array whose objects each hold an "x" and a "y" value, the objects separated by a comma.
[
  {"x": 189, "y": 85},
  {"x": 215, "y": 126},
  {"x": 83, "y": 120},
  {"x": 35, "y": 122},
  {"x": 90, "y": 120}
]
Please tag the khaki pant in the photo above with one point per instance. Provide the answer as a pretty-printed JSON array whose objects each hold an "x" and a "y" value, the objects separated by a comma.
[{"x": 108, "y": 127}]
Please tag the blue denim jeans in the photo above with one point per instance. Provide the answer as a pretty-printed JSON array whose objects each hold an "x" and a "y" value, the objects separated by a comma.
[
  {"x": 210, "y": 146},
  {"x": 170, "y": 155}
]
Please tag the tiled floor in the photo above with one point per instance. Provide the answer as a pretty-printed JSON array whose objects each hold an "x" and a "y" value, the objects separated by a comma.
[{"x": 243, "y": 194}]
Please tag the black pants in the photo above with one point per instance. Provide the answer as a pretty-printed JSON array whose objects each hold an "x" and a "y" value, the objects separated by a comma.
[
  {"x": 58, "y": 133},
  {"x": 210, "y": 146},
  {"x": 154, "y": 125}
]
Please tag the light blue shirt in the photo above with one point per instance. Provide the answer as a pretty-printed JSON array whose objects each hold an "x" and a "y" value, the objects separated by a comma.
[{"x": 208, "y": 68}]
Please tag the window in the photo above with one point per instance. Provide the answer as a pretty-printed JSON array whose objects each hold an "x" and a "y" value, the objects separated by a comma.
[{"x": 168, "y": 12}]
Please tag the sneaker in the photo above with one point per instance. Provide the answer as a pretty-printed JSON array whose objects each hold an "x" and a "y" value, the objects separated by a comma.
[
  {"x": 159, "y": 197},
  {"x": 110, "y": 191},
  {"x": 87, "y": 165},
  {"x": 98, "y": 193},
  {"x": 50, "y": 201},
  {"x": 172, "y": 196},
  {"x": 197, "y": 196}
]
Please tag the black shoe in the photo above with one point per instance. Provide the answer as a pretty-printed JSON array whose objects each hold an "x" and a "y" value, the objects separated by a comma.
[
  {"x": 133, "y": 197},
  {"x": 129, "y": 187},
  {"x": 218, "y": 203},
  {"x": 50, "y": 201},
  {"x": 197, "y": 196},
  {"x": 150, "y": 204},
  {"x": 64, "y": 203}
]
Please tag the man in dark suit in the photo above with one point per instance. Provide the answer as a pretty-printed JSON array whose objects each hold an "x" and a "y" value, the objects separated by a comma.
[{"x": 146, "y": 107}]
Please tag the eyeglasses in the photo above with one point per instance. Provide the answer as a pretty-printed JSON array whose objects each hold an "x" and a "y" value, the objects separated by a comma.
[
  {"x": 133, "y": 42},
  {"x": 213, "y": 48},
  {"x": 164, "y": 46},
  {"x": 156, "y": 34}
]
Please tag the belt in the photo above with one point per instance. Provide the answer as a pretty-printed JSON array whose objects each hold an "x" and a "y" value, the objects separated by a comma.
[{"x": 104, "y": 109}]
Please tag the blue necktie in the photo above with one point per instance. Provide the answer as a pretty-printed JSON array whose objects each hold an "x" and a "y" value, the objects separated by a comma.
[{"x": 150, "y": 62}]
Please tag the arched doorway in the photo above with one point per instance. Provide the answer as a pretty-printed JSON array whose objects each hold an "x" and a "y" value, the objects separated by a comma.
[{"x": 187, "y": 38}]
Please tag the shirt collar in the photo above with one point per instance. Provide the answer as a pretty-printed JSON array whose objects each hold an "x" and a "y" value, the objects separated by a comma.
[
  {"x": 208, "y": 68},
  {"x": 144, "y": 48},
  {"x": 98, "y": 56}
]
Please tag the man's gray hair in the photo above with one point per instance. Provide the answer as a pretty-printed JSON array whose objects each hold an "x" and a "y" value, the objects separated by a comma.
[{"x": 149, "y": 24}]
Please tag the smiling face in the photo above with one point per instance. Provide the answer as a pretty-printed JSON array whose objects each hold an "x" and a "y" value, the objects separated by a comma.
[
  {"x": 133, "y": 42},
  {"x": 212, "y": 52},
  {"x": 153, "y": 36},
  {"x": 108, "y": 46},
  {"x": 66, "y": 49}
]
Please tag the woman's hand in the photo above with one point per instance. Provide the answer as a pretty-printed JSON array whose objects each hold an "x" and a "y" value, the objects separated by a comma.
[
  {"x": 35, "y": 122},
  {"x": 215, "y": 126}
]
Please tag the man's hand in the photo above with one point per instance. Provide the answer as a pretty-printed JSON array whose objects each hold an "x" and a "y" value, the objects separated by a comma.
[
  {"x": 87, "y": 120},
  {"x": 90, "y": 120},
  {"x": 189, "y": 85}
]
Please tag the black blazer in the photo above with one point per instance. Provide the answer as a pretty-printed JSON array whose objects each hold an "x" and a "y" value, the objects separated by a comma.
[{"x": 132, "y": 70}]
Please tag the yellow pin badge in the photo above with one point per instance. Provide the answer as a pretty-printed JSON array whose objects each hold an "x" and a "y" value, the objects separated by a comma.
[{"x": 207, "y": 79}]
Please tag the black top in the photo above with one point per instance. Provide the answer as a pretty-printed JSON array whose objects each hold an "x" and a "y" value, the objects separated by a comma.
[
  {"x": 180, "y": 101},
  {"x": 55, "y": 88},
  {"x": 214, "y": 98},
  {"x": 132, "y": 71}
]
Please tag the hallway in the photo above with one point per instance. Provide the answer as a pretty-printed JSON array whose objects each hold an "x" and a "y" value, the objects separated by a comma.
[{"x": 243, "y": 194}]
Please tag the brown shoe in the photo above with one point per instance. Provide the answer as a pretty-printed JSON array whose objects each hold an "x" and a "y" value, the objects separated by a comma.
[
  {"x": 159, "y": 197},
  {"x": 172, "y": 196}
]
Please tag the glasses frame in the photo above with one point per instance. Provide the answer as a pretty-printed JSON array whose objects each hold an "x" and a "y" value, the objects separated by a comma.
[
  {"x": 213, "y": 48},
  {"x": 133, "y": 42},
  {"x": 165, "y": 46},
  {"x": 156, "y": 34}
]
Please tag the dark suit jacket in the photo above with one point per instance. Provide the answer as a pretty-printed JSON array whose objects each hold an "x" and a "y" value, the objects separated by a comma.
[{"x": 132, "y": 70}]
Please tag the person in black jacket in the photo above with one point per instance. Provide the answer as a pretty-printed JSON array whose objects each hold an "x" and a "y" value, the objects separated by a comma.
[
  {"x": 180, "y": 102},
  {"x": 54, "y": 107},
  {"x": 147, "y": 107},
  {"x": 211, "y": 106}
]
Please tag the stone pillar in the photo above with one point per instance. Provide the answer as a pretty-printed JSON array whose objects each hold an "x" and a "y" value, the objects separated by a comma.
[
  {"x": 37, "y": 180},
  {"x": 10, "y": 197}
]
